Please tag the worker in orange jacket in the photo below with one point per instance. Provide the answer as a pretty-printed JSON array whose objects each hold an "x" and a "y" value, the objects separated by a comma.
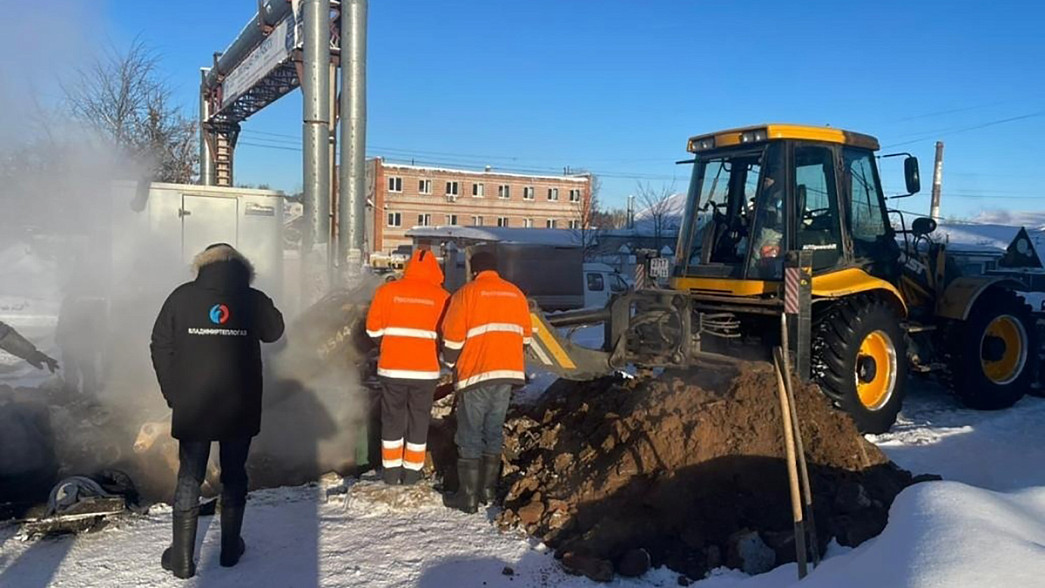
[
  {"x": 485, "y": 331},
  {"x": 403, "y": 319}
]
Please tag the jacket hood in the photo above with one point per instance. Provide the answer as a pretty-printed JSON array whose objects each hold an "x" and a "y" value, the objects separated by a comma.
[
  {"x": 423, "y": 266},
  {"x": 222, "y": 259}
]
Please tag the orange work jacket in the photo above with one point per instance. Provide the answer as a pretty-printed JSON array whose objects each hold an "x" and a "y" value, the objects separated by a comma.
[
  {"x": 486, "y": 327},
  {"x": 404, "y": 318}
]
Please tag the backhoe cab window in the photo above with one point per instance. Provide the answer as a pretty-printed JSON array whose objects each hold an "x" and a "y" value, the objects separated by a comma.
[
  {"x": 736, "y": 222},
  {"x": 721, "y": 203},
  {"x": 766, "y": 259},
  {"x": 816, "y": 202},
  {"x": 866, "y": 216}
]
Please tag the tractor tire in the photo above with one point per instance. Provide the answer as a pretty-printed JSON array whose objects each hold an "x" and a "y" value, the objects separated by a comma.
[
  {"x": 860, "y": 361},
  {"x": 993, "y": 353}
]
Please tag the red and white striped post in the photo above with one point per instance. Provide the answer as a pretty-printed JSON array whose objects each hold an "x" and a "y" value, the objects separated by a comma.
[{"x": 798, "y": 308}]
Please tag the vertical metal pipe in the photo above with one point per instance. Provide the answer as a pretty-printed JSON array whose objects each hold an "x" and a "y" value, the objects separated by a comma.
[
  {"x": 315, "y": 88},
  {"x": 352, "y": 206},
  {"x": 332, "y": 171},
  {"x": 206, "y": 162},
  {"x": 934, "y": 208}
]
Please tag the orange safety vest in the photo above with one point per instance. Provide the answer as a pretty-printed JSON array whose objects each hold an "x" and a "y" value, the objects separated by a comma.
[
  {"x": 404, "y": 318},
  {"x": 485, "y": 330}
]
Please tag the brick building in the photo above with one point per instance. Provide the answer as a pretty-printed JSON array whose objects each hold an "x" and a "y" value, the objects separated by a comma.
[{"x": 404, "y": 196}]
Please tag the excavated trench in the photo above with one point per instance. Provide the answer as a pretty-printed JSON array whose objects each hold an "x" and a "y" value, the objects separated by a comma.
[{"x": 686, "y": 471}]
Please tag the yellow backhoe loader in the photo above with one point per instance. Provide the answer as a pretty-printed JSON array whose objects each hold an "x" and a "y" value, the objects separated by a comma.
[{"x": 789, "y": 219}]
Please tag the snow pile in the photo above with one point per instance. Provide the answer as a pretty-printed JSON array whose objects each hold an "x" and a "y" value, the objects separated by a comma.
[
  {"x": 950, "y": 534},
  {"x": 944, "y": 534}
]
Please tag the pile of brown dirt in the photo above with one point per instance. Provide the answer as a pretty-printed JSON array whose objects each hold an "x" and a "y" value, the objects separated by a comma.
[{"x": 619, "y": 475}]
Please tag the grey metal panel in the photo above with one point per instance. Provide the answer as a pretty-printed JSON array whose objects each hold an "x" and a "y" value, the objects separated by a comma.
[
  {"x": 207, "y": 220},
  {"x": 260, "y": 238}
]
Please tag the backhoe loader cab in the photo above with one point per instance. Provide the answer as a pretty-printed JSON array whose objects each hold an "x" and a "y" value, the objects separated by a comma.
[{"x": 757, "y": 193}]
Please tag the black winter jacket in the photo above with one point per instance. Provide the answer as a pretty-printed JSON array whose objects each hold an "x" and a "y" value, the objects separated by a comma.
[{"x": 206, "y": 351}]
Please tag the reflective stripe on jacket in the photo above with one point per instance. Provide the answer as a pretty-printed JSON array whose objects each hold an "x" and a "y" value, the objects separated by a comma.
[
  {"x": 404, "y": 317},
  {"x": 484, "y": 331}
]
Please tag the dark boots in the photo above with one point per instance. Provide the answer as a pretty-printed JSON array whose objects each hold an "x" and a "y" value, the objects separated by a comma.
[
  {"x": 232, "y": 545},
  {"x": 392, "y": 476},
  {"x": 466, "y": 499},
  {"x": 489, "y": 473},
  {"x": 411, "y": 477},
  {"x": 178, "y": 557}
]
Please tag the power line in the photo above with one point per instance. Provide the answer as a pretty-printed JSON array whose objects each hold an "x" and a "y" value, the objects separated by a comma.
[{"x": 955, "y": 130}]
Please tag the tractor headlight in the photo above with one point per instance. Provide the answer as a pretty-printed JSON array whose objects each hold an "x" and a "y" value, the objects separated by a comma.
[
  {"x": 755, "y": 136},
  {"x": 704, "y": 144}
]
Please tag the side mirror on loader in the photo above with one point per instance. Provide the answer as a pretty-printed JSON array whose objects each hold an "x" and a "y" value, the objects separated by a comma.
[
  {"x": 923, "y": 226},
  {"x": 910, "y": 172}
]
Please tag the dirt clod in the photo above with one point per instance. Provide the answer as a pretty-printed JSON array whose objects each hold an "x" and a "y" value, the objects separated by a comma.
[
  {"x": 689, "y": 472},
  {"x": 599, "y": 570}
]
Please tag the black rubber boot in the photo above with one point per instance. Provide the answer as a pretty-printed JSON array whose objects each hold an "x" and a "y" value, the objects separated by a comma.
[
  {"x": 489, "y": 473},
  {"x": 466, "y": 499},
  {"x": 391, "y": 476},
  {"x": 411, "y": 477},
  {"x": 178, "y": 557},
  {"x": 232, "y": 545}
]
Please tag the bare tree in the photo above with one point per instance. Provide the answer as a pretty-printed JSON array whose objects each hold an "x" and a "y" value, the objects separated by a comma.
[
  {"x": 657, "y": 210},
  {"x": 121, "y": 97},
  {"x": 586, "y": 215}
]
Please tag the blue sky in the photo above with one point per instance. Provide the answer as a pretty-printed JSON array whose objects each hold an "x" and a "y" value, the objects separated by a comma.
[{"x": 616, "y": 87}]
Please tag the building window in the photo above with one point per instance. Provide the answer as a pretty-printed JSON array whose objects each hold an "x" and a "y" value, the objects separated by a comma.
[
  {"x": 424, "y": 220},
  {"x": 575, "y": 195},
  {"x": 395, "y": 184},
  {"x": 451, "y": 188},
  {"x": 528, "y": 193},
  {"x": 424, "y": 186},
  {"x": 395, "y": 219},
  {"x": 575, "y": 224},
  {"x": 504, "y": 191},
  {"x": 553, "y": 193},
  {"x": 551, "y": 224},
  {"x": 502, "y": 221},
  {"x": 451, "y": 220},
  {"x": 528, "y": 223},
  {"x": 477, "y": 221},
  {"x": 478, "y": 190}
]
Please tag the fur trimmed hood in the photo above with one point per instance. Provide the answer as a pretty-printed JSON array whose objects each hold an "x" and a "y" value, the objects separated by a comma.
[{"x": 220, "y": 252}]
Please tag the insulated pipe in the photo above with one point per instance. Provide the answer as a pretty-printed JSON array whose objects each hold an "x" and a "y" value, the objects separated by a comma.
[
  {"x": 270, "y": 12},
  {"x": 315, "y": 88},
  {"x": 206, "y": 162},
  {"x": 352, "y": 201}
]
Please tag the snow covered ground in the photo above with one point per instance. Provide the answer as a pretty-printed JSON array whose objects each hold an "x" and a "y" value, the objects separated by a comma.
[{"x": 984, "y": 526}]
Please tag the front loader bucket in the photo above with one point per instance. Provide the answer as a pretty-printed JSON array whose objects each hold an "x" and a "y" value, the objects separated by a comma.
[{"x": 550, "y": 352}]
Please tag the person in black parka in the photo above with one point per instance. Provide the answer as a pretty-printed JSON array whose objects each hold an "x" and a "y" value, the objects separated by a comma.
[{"x": 207, "y": 355}]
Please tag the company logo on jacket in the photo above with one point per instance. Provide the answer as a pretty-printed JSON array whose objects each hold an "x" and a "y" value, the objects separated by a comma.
[{"x": 219, "y": 314}]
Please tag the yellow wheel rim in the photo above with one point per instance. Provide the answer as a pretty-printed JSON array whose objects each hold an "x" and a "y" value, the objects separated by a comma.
[
  {"x": 1003, "y": 349},
  {"x": 875, "y": 371}
]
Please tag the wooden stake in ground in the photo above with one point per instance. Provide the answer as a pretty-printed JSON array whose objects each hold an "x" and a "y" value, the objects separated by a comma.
[
  {"x": 803, "y": 469},
  {"x": 792, "y": 468}
]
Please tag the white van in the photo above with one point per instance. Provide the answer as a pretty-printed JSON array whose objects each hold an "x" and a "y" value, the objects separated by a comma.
[{"x": 600, "y": 282}]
